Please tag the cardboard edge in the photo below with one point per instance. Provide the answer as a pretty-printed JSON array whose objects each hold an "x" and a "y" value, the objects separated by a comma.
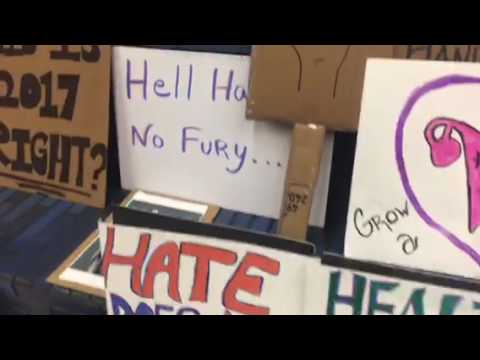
[
  {"x": 55, "y": 279},
  {"x": 211, "y": 214}
]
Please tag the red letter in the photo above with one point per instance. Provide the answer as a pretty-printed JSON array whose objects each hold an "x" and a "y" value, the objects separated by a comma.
[
  {"x": 135, "y": 261},
  {"x": 252, "y": 284},
  {"x": 204, "y": 254},
  {"x": 158, "y": 264}
]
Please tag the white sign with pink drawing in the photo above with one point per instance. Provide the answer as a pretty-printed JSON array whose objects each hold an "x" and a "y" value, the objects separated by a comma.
[{"x": 415, "y": 197}]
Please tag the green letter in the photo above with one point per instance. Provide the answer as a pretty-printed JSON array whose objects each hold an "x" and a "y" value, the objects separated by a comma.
[
  {"x": 416, "y": 301},
  {"x": 374, "y": 305},
  {"x": 355, "y": 301},
  {"x": 449, "y": 303}
]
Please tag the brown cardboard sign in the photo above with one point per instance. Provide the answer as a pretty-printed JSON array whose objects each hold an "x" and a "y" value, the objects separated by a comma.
[
  {"x": 323, "y": 84},
  {"x": 54, "y": 120},
  {"x": 319, "y": 84}
]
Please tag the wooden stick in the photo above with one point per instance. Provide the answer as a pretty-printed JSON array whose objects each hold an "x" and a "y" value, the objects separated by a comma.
[{"x": 302, "y": 175}]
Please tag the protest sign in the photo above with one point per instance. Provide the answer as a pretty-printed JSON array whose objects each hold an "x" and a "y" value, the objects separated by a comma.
[
  {"x": 54, "y": 120},
  {"x": 415, "y": 198},
  {"x": 169, "y": 272},
  {"x": 323, "y": 84},
  {"x": 182, "y": 131},
  {"x": 320, "y": 84},
  {"x": 156, "y": 272}
]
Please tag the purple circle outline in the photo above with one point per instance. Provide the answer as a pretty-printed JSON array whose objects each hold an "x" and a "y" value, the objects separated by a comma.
[{"x": 411, "y": 102}]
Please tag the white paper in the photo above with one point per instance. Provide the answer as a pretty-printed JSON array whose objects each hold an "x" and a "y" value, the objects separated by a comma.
[
  {"x": 426, "y": 202},
  {"x": 270, "y": 273},
  {"x": 178, "y": 103}
]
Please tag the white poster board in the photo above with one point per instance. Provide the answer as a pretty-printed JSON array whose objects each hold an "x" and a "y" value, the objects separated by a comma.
[
  {"x": 196, "y": 275},
  {"x": 154, "y": 272},
  {"x": 415, "y": 198},
  {"x": 182, "y": 131}
]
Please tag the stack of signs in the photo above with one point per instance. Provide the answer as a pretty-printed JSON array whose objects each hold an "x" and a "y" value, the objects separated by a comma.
[
  {"x": 54, "y": 120},
  {"x": 415, "y": 198},
  {"x": 182, "y": 131},
  {"x": 322, "y": 85},
  {"x": 163, "y": 272}
]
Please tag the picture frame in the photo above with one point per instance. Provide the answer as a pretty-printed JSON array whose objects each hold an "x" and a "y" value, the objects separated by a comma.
[{"x": 80, "y": 270}]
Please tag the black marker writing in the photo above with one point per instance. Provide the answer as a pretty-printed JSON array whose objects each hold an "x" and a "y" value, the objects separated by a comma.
[
  {"x": 339, "y": 69},
  {"x": 372, "y": 224},
  {"x": 443, "y": 52},
  {"x": 409, "y": 243},
  {"x": 295, "y": 200},
  {"x": 316, "y": 62},
  {"x": 17, "y": 50},
  {"x": 300, "y": 67},
  {"x": 49, "y": 155},
  {"x": 88, "y": 53},
  {"x": 31, "y": 89}
]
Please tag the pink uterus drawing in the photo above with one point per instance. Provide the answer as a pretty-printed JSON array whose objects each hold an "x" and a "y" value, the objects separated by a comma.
[{"x": 445, "y": 150}]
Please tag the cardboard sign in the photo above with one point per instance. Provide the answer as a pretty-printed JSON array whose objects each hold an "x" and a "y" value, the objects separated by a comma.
[
  {"x": 323, "y": 83},
  {"x": 319, "y": 84},
  {"x": 182, "y": 131},
  {"x": 415, "y": 198},
  {"x": 54, "y": 119},
  {"x": 155, "y": 272}
]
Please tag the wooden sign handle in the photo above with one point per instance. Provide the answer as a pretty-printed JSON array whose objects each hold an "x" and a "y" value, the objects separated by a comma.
[{"x": 302, "y": 175}]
